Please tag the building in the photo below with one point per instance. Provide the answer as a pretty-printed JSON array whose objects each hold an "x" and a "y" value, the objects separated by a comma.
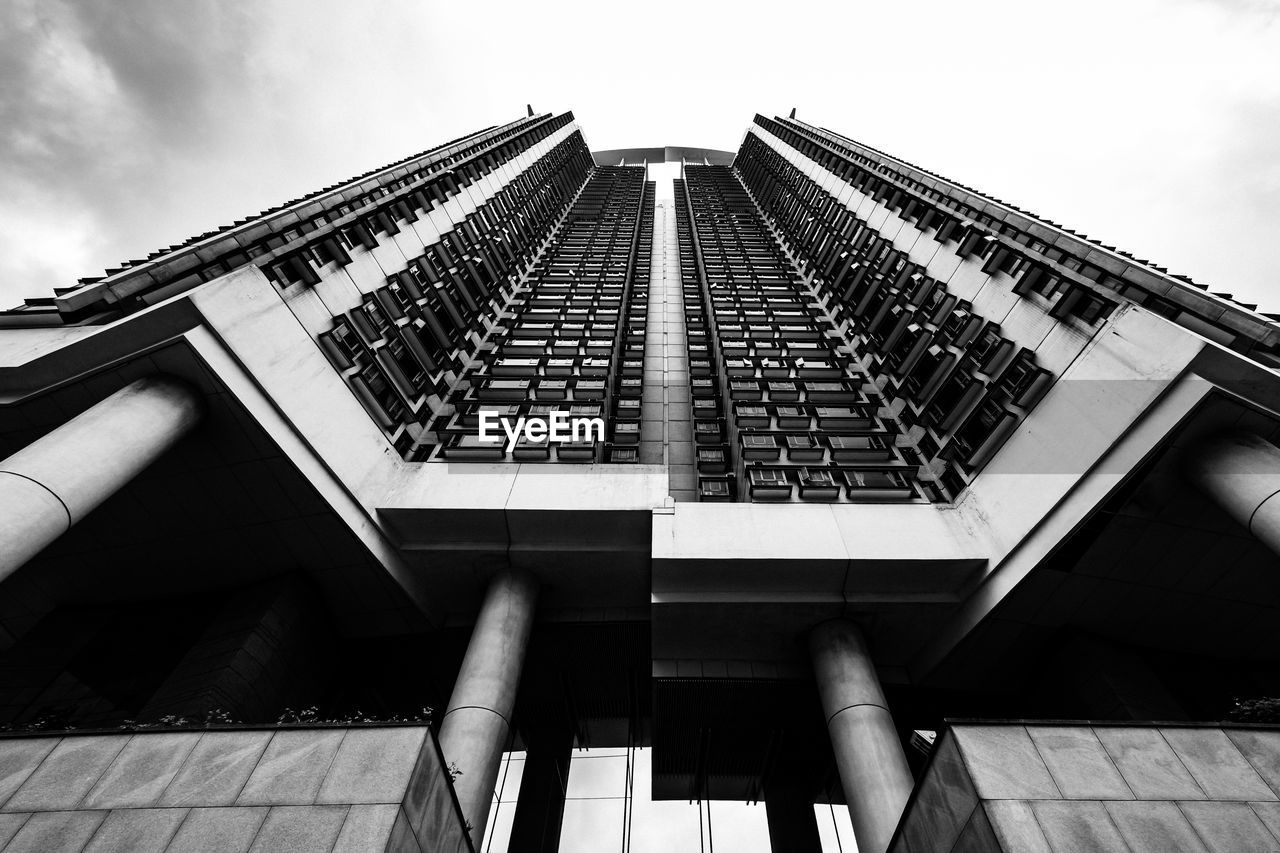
[{"x": 878, "y": 480}]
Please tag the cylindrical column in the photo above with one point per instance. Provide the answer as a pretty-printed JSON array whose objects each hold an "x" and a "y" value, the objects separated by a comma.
[
  {"x": 540, "y": 806},
  {"x": 478, "y": 720},
  {"x": 869, "y": 756},
  {"x": 51, "y": 484},
  {"x": 1241, "y": 472},
  {"x": 793, "y": 825}
]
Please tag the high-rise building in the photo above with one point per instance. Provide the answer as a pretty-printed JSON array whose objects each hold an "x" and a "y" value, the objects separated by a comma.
[{"x": 675, "y": 481}]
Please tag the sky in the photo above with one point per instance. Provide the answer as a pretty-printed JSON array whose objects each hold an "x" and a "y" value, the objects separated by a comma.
[{"x": 129, "y": 125}]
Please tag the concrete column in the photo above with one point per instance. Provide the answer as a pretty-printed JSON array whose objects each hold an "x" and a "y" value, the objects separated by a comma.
[
  {"x": 51, "y": 484},
  {"x": 873, "y": 768},
  {"x": 793, "y": 825},
  {"x": 540, "y": 808},
  {"x": 1241, "y": 472},
  {"x": 478, "y": 720}
]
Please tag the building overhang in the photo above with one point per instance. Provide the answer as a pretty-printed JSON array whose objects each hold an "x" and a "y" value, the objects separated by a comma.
[{"x": 667, "y": 154}]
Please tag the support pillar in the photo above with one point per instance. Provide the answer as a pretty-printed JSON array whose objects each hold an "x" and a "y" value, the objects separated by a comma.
[
  {"x": 56, "y": 481},
  {"x": 873, "y": 768},
  {"x": 793, "y": 825},
  {"x": 1241, "y": 473},
  {"x": 540, "y": 807},
  {"x": 477, "y": 723}
]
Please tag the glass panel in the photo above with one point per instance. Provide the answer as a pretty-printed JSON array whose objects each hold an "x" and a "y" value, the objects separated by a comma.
[
  {"x": 502, "y": 813},
  {"x": 835, "y": 830},
  {"x": 595, "y": 813},
  {"x": 591, "y": 826}
]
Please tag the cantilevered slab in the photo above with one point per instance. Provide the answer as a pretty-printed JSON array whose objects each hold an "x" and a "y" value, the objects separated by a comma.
[
  {"x": 754, "y": 552},
  {"x": 533, "y": 507}
]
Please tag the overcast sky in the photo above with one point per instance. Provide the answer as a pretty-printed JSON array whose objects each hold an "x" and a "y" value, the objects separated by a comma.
[{"x": 132, "y": 124}]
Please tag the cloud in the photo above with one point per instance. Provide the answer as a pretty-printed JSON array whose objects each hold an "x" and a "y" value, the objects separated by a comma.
[
  {"x": 178, "y": 65},
  {"x": 130, "y": 125},
  {"x": 97, "y": 102}
]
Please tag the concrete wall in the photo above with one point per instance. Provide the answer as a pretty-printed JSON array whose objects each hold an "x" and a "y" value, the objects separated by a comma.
[
  {"x": 263, "y": 651},
  {"x": 344, "y": 790},
  {"x": 1048, "y": 788}
]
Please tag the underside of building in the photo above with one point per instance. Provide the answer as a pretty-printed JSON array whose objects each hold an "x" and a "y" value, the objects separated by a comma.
[{"x": 868, "y": 485}]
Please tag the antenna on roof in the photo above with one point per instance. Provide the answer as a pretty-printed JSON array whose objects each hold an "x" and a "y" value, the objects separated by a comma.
[
  {"x": 529, "y": 107},
  {"x": 793, "y": 113}
]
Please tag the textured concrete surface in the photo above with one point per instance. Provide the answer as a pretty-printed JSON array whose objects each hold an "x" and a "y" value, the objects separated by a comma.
[
  {"x": 56, "y": 481},
  {"x": 1046, "y": 788},
  {"x": 476, "y": 727},
  {"x": 873, "y": 768},
  {"x": 347, "y": 790},
  {"x": 664, "y": 437}
]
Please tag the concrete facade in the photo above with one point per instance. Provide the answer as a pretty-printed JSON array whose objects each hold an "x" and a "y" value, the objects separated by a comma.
[
  {"x": 359, "y": 789},
  {"x": 1037, "y": 787},
  {"x": 837, "y": 390}
]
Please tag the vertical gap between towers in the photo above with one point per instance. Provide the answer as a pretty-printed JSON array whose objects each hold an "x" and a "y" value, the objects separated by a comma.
[{"x": 666, "y": 431}]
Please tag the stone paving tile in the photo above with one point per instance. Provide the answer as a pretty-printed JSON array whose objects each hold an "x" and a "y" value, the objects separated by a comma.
[
  {"x": 220, "y": 830},
  {"x": 1155, "y": 827},
  {"x": 944, "y": 802},
  {"x": 1078, "y": 826},
  {"x": 1078, "y": 763},
  {"x": 136, "y": 831},
  {"x": 10, "y": 823},
  {"x": 1148, "y": 764},
  {"x": 367, "y": 828},
  {"x": 67, "y": 773},
  {"x": 1261, "y": 748},
  {"x": 977, "y": 836},
  {"x": 1004, "y": 763},
  {"x": 1228, "y": 827},
  {"x": 1269, "y": 814},
  {"x": 292, "y": 769},
  {"x": 1016, "y": 827},
  {"x": 300, "y": 829},
  {"x": 1217, "y": 765},
  {"x": 142, "y": 771},
  {"x": 18, "y": 760},
  {"x": 373, "y": 766},
  {"x": 402, "y": 838},
  {"x": 217, "y": 769},
  {"x": 55, "y": 832}
]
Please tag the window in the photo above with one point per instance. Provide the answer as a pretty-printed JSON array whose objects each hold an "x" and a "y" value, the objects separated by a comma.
[
  {"x": 381, "y": 394},
  {"x": 768, "y": 477},
  {"x": 399, "y": 295},
  {"x": 714, "y": 489},
  {"x": 376, "y": 315},
  {"x": 875, "y": 480},
  {"x": 341, "y": 346},
  {"x": 408, "y": 365},
  {"x": 976, "y": 430},
  {"x": 817, "y": 477}
]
